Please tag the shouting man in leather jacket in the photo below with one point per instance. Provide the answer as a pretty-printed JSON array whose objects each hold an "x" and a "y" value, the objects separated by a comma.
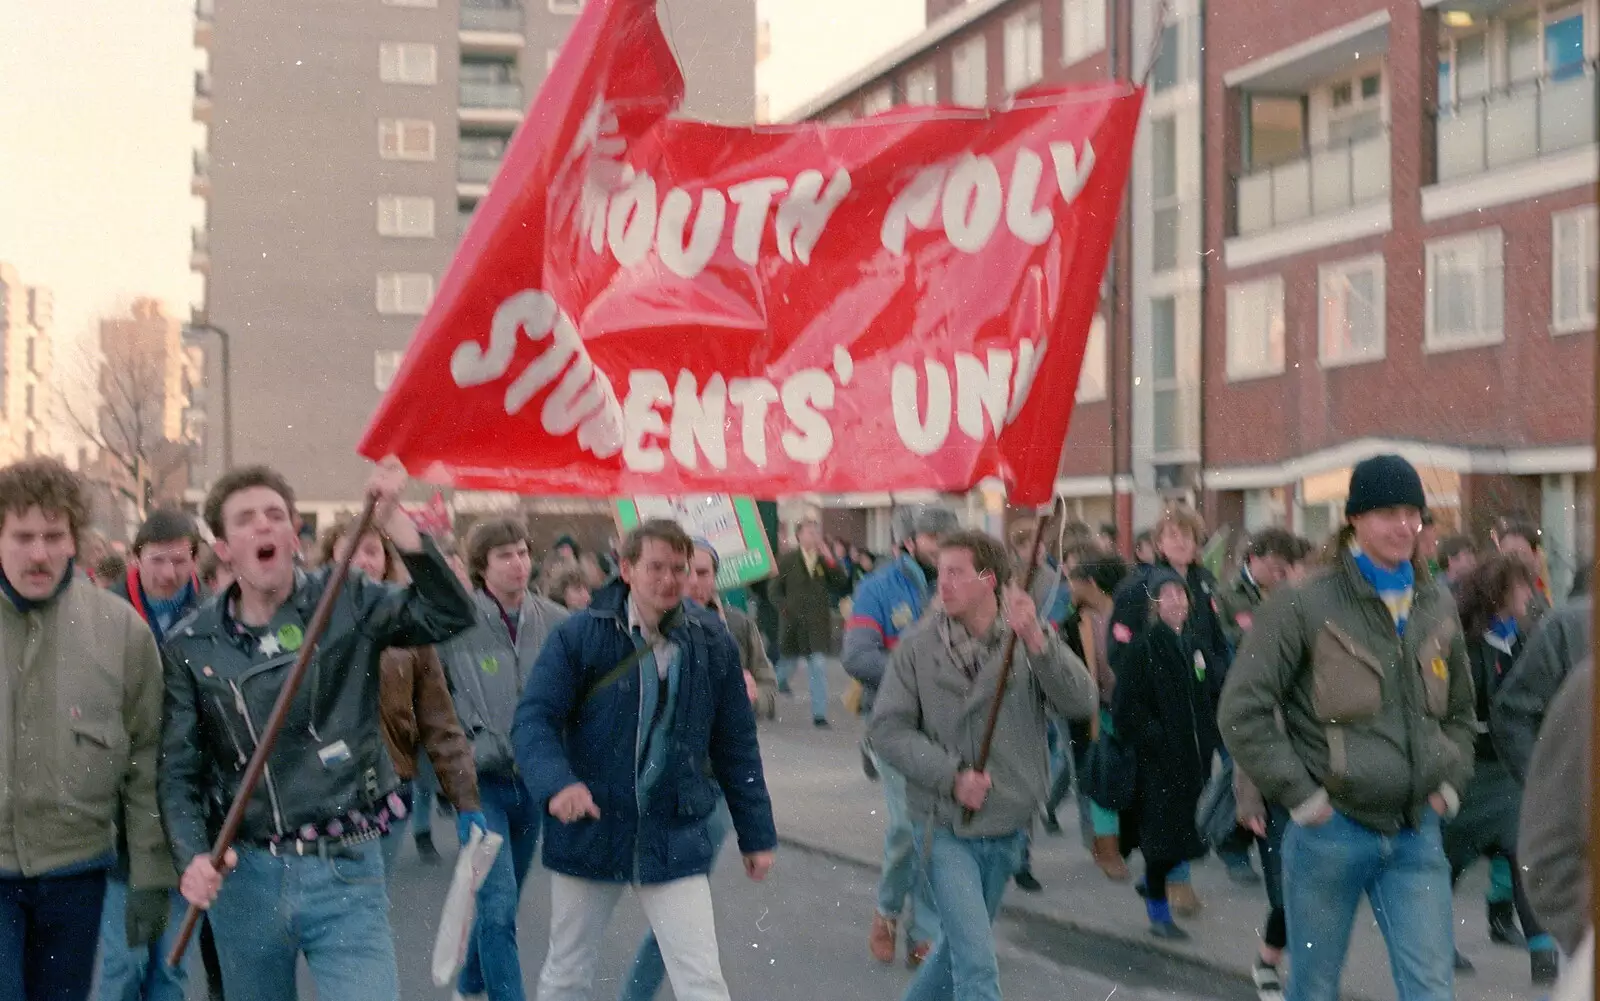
[{"x": 327, "y": 795}]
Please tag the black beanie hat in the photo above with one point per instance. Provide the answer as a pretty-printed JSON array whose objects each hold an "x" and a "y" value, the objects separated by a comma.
[{"x": 1384, "y": 481}]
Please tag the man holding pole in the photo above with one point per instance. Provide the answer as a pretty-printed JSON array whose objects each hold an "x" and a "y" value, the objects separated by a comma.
[
  {"x": 976, "y": 771},
  {"x": 307, "y": 874}
]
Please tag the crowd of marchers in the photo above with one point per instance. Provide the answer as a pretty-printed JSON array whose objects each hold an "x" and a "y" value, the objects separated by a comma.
[{"x": 1367, "y": 717}]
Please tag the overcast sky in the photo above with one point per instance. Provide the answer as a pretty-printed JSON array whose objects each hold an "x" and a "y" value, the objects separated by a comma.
[{"x": 95, "y": 157}]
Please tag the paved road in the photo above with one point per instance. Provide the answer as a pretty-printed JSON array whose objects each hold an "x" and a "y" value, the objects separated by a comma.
[{"x": 800, "y": 936}]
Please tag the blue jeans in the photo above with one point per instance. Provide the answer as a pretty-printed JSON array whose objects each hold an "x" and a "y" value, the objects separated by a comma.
[
  {"x": 969, "y": 877},
  {"x": 128, "y": 974},
  {"x": 493, "y": 966},
  {"x": 49, "y": 926},
  {"x": 424, "y": 788},
  {"x": 1327, "y": 868},
  {"x": 332, "y": 908},
  {"x": 902, "y": 862},
  {"x": 816, "y": 679},
  {"x": 649, "y": 969}
]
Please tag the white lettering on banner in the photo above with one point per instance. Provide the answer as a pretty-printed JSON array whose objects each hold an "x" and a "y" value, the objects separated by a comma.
[
  {"x": 629, "y": 222},
  {"x": 988, "y": 394},
  {"x": 970, "y": 198}
]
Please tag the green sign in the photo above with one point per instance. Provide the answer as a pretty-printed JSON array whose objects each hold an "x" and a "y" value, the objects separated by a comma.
[{"x": 731, "y": 524}]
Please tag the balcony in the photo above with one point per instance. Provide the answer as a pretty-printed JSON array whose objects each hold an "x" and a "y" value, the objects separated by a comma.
[
  {"x": 1323, "y": 182},
  {"x": 490, "y": 105},
  {"x": 202, "y": 96},
  {"x": 200, "y": 179},
  {"x": 204, "y": 17},
  {"x": 199, "y": 250},
  {"x": 476, "y": 170},
  {"x": 1513, "y": 126},
  {"x": 491, "y": 29}
]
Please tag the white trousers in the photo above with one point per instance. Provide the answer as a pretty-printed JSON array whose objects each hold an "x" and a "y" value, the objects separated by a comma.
[{"x": 679, "y": 913}]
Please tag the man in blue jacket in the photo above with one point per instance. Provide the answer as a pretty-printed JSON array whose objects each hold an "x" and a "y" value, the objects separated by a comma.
[
  {"x": 637, "y": 705},
  {"x": 886, "y": 604}
]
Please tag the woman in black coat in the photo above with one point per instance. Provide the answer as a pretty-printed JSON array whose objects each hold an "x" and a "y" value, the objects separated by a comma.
[{"x": 1163, "y": 707}]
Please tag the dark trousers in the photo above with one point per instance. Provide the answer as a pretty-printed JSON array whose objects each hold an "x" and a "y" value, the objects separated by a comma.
[
  {"x": 1276, "y": 935},
  {"x": 49, "y": 929},
  {"x": 1156, "y": 872}
]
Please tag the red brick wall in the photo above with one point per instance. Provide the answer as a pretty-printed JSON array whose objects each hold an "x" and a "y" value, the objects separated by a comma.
[{"x": 1531, "y": 390}]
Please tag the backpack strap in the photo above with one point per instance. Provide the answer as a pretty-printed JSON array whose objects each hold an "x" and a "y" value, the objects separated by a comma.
[{"x": 669, "y": 621}]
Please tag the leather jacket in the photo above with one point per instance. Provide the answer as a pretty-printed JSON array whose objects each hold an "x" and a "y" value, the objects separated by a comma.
[
  {"x": 329, "y": 758},
  {"x": 418, "y": 714}
]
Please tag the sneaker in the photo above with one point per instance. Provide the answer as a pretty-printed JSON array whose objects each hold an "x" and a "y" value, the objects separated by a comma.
[
  {"x": 1503, "y": 928},
  {"x": 916, "y": 953},
  {"x": 1027, "y": 882},
  {"x": 820, "y": 722},
  {"x": 425, "y": 849},
  {"x": 1169, "y": 931},
  {"x": 880, "y": 940},
  {"x": 1463, "y": 964},
  {"x": 1269, "y": 985},
  {"x": 1546, "y": 966},
  {"x": 1184, "y": 901}
]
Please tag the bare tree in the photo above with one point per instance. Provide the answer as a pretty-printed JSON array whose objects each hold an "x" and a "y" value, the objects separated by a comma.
[{"x": 136, "y": 461}]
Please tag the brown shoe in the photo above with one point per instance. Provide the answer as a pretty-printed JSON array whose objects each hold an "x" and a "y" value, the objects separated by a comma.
[
  {"x": 1183, "y": 899},
  {"x": 880, "y": 941},
  {"x": 916, "y": 952},
  {"x": 1109, "y": 859}
]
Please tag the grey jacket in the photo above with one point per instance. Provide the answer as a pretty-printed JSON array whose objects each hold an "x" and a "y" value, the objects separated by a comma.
[
  {"x": 928, "y": 723},
  {"x": 1551, "y": 845},
  {"x": 487, "y": 672},
  {"x": 1560, "y": 642}
]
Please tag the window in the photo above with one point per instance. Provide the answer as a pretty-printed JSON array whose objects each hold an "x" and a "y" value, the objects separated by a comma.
[
  {"x": 877, "y": 101},
  {"x": 1024, "y": 37},
  {"x": 1350, "y": 325},
  {"x": 33, "y": 365},
  {"x": 1164, "y": 193},
  {"x": 922, "y": 86},
  {"x": 488, "y": 70},
  {"x": 1465, "y": 305},
  {"x": 405, "y": 138},
  {"x": 29, "y": 405},
  {"x": 408, "y": 62},
  {"x": 1092, "y": 377},
  {"x": 404, "y": 293},
  {"x": 1165, "y": 73},
  {"x": 1576, "y": 266},
  {"x": 969, "y": 71},
  {"x": 1083, "y": 28},
  {"x": 1355, "y": 108},
  {"x": 1255, "y": 328},
  {"x": 385, "y": 366},
  {"x": 405, "y": 215},
  {"x": 566, "y": 6}
]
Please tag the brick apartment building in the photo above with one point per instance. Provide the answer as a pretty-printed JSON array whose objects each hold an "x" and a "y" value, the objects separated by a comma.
[
  {"x": 1135, "y": 436},
  {"x": 342, "y": 148},
  {"x": 1369, "y": 225},
  {"x": 1402, "y": 197}
]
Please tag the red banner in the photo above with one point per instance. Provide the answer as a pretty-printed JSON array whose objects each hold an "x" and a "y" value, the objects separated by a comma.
[{"x": 647, "y": 305}]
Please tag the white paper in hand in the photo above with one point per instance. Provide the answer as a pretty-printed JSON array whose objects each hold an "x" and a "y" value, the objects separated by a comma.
[{"x": 460, "y": 904}]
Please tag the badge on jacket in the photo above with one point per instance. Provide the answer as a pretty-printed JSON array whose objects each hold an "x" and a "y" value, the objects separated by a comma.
[
  {"x": 1441, "y": 670},
  {"x": 1121, "y": 633},
  {"x": 901, "y": 617},
  {"x": 1199, "y": 666},
  {"x": 490, "y": 664},
  {"x": 290, "y": 636}
]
